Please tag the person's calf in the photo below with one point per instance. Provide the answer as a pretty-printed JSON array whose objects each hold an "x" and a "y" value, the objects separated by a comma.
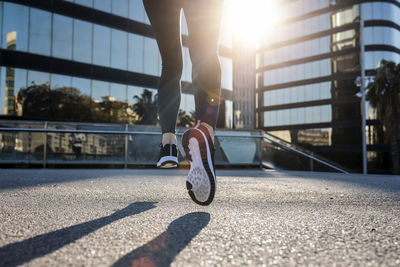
[{"x": 168, "y": 139}]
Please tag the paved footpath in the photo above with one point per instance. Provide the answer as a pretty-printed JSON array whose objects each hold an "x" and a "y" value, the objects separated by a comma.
[{"x": 145, "y": 218}]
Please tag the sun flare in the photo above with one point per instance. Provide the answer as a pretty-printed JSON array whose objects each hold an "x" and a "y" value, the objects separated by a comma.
[{"x": 251, "y": 20}]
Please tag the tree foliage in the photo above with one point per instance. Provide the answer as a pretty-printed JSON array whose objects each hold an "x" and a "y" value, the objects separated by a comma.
[{"x": 384, "y": 96}]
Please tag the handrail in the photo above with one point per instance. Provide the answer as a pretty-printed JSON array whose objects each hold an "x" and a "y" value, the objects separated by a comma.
[
  {"x": 5, "y": 129},
  {"x": 306, "y": 151},
  {"x": 306, "y": 155}
]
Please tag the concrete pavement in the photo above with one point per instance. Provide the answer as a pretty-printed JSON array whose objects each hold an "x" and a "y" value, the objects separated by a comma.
[{"x": 119, "y": 217}]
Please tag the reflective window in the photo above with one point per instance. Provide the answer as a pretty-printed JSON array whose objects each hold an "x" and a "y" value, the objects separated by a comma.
[
  {"x": 40, "y": 32},
  {"x": 120, "y": 8},
  {"x": 83, "y": 85},
  {"x": 226, "y": 67},
  {"x": 152, "y": 63},
  {"x": 100, "y": 91},
  {"x": 62, "y": 37},
  {"x": 372, "y": 58},
  {"x": 133, "y": 91},
  {"x": 380, "y": 11},
  {"x": 316, "y": 114},
  {"x": 59, "y": 81},
  {"x": 298, "y": 50},
  {"x": 82, "y": 42},
  {"x": 187, "y": 103},
  {"x": 136, "y": 10},
  {"x": 103, "y": 5},
  {"x": 15, "y": 20},
  {"x": 119, "y": 46},
  {"x": 38, "y": 78},
  {"x": 381, "y": 35},
  {"x": 228, "y": 114},
  {"x": 187, "y": 66},
  {"x": 88, "y": 3},
  {"x": 308, "y": 70},
  {"x": 118, "y": 92},
  {"x": 135, "y": 53},
  {"x": 101, "y": 45},
  {"x": 297, "y": 94},
  {"x": 1, "y": 24}
]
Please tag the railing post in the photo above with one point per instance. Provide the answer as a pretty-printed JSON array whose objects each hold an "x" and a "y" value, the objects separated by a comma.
[
  {"x": 45, "y": 146},
  {"x": 260, "y": 150},
  {"x": 126, "y": 145}
]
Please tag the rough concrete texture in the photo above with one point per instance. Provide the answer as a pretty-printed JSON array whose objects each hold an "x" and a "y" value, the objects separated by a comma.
[{"x": 124, "y": 217}]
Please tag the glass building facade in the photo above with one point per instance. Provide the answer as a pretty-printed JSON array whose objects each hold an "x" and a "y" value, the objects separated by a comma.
[
  {"x": 306, "y": 70},
  {"x": 92, "y": 60}
]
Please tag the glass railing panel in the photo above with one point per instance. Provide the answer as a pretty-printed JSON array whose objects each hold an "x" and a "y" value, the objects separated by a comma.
[
  {"x": 84, "y": 145},
  {"x": 21, "y": 147},
  {"x": 237, "y": 148}
]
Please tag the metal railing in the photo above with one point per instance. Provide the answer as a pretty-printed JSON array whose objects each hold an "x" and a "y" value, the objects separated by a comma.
[{"x": 260, "y": 136}]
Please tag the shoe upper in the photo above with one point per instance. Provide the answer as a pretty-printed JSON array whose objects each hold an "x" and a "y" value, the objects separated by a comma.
[
  {"x": 168, "y": 150},
  {"x": 209, "y": 140}
]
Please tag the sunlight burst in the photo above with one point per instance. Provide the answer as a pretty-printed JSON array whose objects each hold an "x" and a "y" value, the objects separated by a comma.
[{"x": 252, "y": 20}]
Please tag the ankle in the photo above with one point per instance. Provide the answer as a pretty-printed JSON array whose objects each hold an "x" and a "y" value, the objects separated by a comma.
[
  {"x": 168, "y": 138},
  {"x": 210, "y": 130}
]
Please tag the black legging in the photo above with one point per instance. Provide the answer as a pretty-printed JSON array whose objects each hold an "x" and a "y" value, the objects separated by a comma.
[{"x": 203, "y": 19}]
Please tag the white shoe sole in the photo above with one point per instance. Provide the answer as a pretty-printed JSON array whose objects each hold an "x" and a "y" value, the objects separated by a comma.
[{"x": 201, "y": 181}]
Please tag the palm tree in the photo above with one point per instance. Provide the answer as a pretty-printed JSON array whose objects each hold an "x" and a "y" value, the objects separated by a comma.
[
  {"x": 146, "y": 108},
  {"x": 384, "y": 96}
]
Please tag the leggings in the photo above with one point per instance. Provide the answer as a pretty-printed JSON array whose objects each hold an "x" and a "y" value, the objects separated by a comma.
[{"x": 203, "y": 19}]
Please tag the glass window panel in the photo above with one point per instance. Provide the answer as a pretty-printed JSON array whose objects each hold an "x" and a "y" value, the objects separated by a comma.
[
  {"x": 2, "y": 85},
  {"x": 37, "y": 77},
  {"x": 103, "y": 5},
  {"x": 118, "y": 92},
  {"x": 377, "y": 10},
  {"x": 135, "y": 53},
  {"x": 101, "y": 45},
  {"x": 301, "y": 115},
  {"x": 62, "y": 37},
  {"x": 325, "y": 90},
  {"x": 187, "y": 103},
  {"x": 132, "y": 92},
  {"x": 83, "y": 85},
  {"x": 308, "y": 115},
  {"x": 151, "y": 54},
  {"x": 20, "y": 79},
  {"x": 120, "y": 8},
  {"x": 88, "y": 3},
  {"x": 308, "y": 93},
  {"x": 15, "y": 20},
  {"x": 226, "y": 67},
  {"x": 136, "y": 10},
  {"x": 59, "y": 81},
  {"x": 119, "y": 46},
  {"x": 187, "y": 65},
  {"x": 82, "y": 41},
  {"x": 293, "y": 116},
  {"x": 40, "y": 32},
  {"x": 100, "y": 90}
]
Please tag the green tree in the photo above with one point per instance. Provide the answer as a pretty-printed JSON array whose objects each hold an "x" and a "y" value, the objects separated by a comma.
[
  {"x": 384, "y": 96},
  {"x": 146, "y": 108}
]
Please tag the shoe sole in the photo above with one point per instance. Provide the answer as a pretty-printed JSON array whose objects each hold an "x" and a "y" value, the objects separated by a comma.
[
  {"x": 201, "y": 164},
  {"x": 167, "y": 162}
]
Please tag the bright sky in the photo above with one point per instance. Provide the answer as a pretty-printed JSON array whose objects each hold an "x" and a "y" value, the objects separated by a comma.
[{"x": 252, "y": 19}]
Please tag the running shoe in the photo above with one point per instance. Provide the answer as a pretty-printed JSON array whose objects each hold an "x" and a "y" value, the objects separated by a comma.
[
  {"x": 199, "y": 150},
  {"x": 168, "y": 156}
]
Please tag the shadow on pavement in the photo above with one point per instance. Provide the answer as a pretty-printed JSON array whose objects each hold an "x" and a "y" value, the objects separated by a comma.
[
  {"x": 21, "y": 252},
  {"x": 162, "y": 250}
]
